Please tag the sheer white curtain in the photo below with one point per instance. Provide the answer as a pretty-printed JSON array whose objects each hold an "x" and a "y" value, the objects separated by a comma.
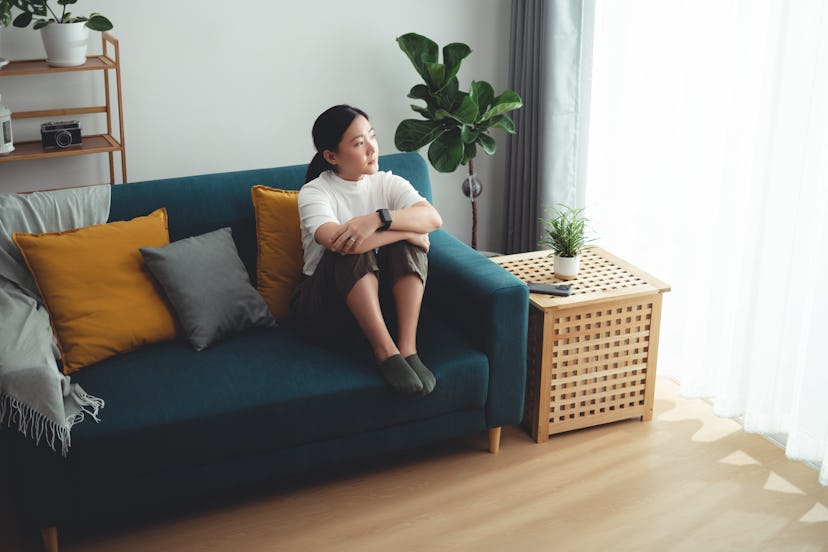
[{"x": 708, "y": 166}]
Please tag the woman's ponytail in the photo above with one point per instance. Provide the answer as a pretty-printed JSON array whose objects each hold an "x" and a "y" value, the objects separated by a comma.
[
  {"x": 327, "y": 133},
  {"x": 317, "y": 166}
]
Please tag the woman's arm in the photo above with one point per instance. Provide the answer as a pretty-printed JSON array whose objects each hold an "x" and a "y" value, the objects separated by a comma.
[
  {"x": 326, "y": 233},
  {"x": 421, "y": 218},
  {"x": 407, "y": 224}
]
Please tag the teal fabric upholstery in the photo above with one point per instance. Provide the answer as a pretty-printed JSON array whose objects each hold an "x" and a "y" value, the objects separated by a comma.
[
  {"x": 180, "y": 424},
  {"x": 261, "y": 391},
  {"x": 492, "y": 310}
]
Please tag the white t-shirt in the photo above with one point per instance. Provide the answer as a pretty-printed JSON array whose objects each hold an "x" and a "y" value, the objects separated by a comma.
[{"x": 330, "y": 198}]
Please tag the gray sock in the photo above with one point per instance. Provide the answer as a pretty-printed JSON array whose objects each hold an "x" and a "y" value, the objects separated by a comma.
[
  {"x": 399, "y": 375},
  {"x": 426, "y": 376}
]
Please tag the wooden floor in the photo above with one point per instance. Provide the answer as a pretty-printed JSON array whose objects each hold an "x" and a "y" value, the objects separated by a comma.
[{"x": 685, "y": 481}]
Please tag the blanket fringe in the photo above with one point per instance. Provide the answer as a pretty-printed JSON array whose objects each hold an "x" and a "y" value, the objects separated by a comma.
[{"x": 35, "y": 425}]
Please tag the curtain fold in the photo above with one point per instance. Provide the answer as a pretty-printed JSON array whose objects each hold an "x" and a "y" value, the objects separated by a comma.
[
  {"x": 550, "y": 67},
  {"x": 708, "y": 167},
  {"x": 523, "y": 161}
]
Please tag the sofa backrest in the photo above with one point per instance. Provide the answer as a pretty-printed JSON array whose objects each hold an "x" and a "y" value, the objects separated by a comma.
[{"x": 199, "y": 204}]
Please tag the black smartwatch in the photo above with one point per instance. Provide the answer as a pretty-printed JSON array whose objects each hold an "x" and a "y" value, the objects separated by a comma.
[{"x": 385, "y": 218}]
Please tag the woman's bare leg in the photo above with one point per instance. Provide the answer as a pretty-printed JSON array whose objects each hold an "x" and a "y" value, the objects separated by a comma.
[
  {"x": 408, "y": 296},
  {"x": 363, "y": 301}
]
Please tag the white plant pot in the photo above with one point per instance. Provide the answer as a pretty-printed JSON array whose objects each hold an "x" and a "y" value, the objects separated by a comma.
[
  {"x": 566, "y": 268},
  {"x": 65, "y": 43}
]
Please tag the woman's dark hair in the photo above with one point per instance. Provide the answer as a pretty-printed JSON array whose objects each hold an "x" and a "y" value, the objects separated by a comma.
[{"x": 327, "y": 133}]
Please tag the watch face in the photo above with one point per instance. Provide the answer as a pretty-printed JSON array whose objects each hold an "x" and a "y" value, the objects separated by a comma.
[{"x": 385, "y": 218}]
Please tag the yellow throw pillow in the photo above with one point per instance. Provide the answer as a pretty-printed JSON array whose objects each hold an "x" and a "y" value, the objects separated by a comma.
[
  {"x": 101, "y": 298},
  {"x": 279, "y": 239}
]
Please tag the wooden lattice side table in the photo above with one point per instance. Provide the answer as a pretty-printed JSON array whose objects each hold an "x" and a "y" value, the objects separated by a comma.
[{"x": 591, "y": 357}]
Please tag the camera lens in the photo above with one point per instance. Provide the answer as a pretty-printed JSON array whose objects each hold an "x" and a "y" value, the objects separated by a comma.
[{"x": 63, "y": 139}]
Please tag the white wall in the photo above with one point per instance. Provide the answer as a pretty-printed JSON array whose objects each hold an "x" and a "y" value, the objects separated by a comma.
[{"x": 210, "y": 90}]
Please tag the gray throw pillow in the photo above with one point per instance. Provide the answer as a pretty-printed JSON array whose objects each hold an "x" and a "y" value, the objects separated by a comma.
[{"x": 208, "y": 287}]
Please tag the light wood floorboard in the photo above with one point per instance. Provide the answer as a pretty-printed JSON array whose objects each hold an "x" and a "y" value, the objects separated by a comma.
[{"x": 685, "y": 481}]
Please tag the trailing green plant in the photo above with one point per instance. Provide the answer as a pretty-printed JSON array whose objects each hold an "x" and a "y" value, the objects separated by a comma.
[
  {"x": 39, "y": 11},
  {"x": 455, "y": 122},
  {"x": 5, "y": 12},
  {"x": 566, "y": 232}
]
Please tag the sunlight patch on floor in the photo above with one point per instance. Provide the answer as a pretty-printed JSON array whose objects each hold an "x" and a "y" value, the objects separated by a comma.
[
  {"x": 781, "y": 485},
  {"x": 739, "y": 458},
  {"x": 711, "y": 428},
  {"x": 817, "y": 514}
]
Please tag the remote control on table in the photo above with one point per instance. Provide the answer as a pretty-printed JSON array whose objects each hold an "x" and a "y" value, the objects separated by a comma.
[{"x": 561, "y": 290}]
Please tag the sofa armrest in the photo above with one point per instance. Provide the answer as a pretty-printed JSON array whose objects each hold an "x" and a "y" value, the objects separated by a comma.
[{"x": 490, "y": 306}]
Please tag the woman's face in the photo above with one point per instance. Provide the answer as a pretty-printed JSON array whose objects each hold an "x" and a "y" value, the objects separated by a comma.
[{"x": 357, "y": 152}]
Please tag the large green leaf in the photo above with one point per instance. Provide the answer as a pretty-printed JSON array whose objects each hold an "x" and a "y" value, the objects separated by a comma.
[
  {"x": 420, "y": 50},
  {"x": 419, "y": 92},
  {"x": 453, "y": 55},
  {"x": 483, "y": 94},
  {"x": 503, "y": 122},
  {"x": 446, "y": 152},
  {"x": 503, "y": 103},
  {"x": 423, "y": 111},
  {"x": 466, "y": 113},
  {"x": 412, "y": 134},
  {"x": 22, "y": 20},
  {"x": 436, "y": 75},
  {"x": 97, "y": 22},
  {"x": 469, "y": 134},
  {"x": 486, "y": 142},
  {"x": 66, "y": 2},
  {"x": 449, "y": 97},
  {"x": 441, "y": 114}
]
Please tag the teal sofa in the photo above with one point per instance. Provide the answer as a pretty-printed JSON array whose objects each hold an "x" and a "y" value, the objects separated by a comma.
[{"x": 180, "y": 424}]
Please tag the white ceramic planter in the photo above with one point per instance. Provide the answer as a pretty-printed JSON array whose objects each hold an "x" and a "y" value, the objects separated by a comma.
[
  {"x": 566, "y": 268},
  {"x": 65, "y": 43},
  {"x": 6, "y": 142}
]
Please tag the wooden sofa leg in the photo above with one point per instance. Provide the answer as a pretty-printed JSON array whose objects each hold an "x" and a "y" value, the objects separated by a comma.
[
  {"x": 494, "y": 440},
  {"x": 50, "y": 541}
]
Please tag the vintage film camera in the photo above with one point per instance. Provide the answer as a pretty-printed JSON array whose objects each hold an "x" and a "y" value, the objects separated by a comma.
[{"x": 59, "y": 135}]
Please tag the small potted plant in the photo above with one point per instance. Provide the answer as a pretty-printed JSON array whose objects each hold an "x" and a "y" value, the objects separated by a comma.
[
  {"x": 65, "y": 36},
  {"x": 565, "y": 233}
]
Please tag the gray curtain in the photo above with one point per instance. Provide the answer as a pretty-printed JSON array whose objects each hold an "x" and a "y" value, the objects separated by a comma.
[{"x": 550, "y": 67}]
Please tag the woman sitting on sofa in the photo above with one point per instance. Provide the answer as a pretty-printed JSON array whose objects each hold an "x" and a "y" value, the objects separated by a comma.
[{"x": 360, "y": 225}]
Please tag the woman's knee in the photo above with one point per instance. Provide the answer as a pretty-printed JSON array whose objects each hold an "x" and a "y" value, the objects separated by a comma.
[
  {"x": 350, "y": 269},
  {"x": 403, "y": 258}
]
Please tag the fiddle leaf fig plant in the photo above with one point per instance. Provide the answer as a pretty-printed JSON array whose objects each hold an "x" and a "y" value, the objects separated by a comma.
[
  {"x": 39, "y": 10},
  {"x": 454, "y": 122}
]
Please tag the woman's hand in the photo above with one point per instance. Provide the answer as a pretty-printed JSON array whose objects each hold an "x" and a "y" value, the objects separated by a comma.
[
  {"x": 421, "y": 241},
  {"x": 348, "y": 237}
]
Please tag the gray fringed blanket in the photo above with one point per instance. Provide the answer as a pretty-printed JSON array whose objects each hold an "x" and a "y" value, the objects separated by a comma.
[{"x": 34, "y": 395}]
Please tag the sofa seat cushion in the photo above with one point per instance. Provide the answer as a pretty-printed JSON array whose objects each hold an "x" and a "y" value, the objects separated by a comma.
[{"x": 168, "y": 406}]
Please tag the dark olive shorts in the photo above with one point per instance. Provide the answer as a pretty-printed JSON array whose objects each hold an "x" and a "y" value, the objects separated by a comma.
[{"x": 318, "y": 303}]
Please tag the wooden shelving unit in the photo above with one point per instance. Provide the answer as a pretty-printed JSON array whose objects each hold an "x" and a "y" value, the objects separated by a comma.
[{"x": 96, "y": 143}]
